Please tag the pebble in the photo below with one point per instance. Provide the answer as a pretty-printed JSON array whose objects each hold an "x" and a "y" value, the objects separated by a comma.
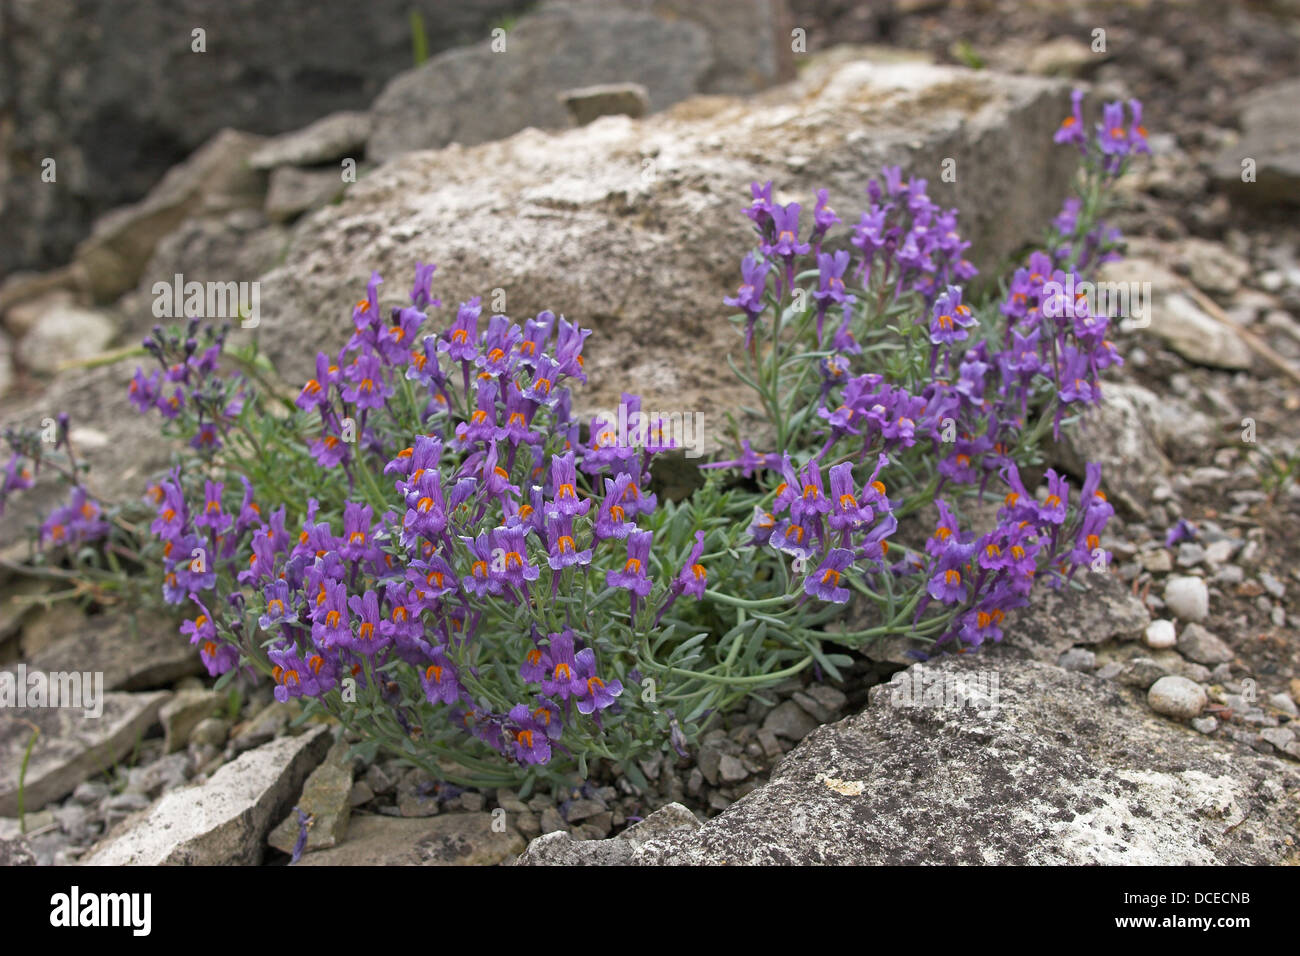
[
  {"x": 377, "y": 780},
  {"x": 1272, "y": 585},
  {"x": 212, "y": 731},
  {"x": 695, "y": 782},
  {"x": 1284, "y": 703},
  {"x": 829, "y": 697},
  {"x": 1230, "y": 574},
  {"x": 576, "y": 810},
  {"x": 1205, "y": 725},
  {"x": 74, "y": 820},
  {"x": 1160, "y": 634},
  {"x": 509, "y": 801},
  {"x": 708, "y": 760},
  {"x": 1110, "y": 670},
  {"x": 1220, "y": 552},
  {"x": 1176, "y": 697},
  {"x": 152, "y": 779},
  {"x": 1157, "y": 562},
  {"x": 360, "y": 794},
  {"x": 90, "y": 792},
  {"x": 1188, "y": 598},
  {"x": 1279, "y": 737},
  {"x": 790, "y": 721},
  {"x": 1190, "y": 554},
  {"x": 731, "y": 769},
  {"x": 551, "y": 820},
  {"x": 122, "y": 805},
  {"x": 1141, "y": 672},
  {"x": 1078, "y": 659},
  {"x": 471, "y": 801},
  {"x": 1197, "y": 644}
]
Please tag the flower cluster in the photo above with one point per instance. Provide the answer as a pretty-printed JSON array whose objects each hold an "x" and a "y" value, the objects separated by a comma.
[
  {"x": 468, "y": 511},
  {"x": 952, "y": 414},
  {"x": 79, "y": 521},
  {"x": 1116, "y": 139}
]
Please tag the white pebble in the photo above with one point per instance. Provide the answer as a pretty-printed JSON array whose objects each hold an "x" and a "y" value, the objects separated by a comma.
[
  {"x": 1176, "y": 697},
  {"x": 1188, "y": 598},
  {"x": 1160, "y": 634}
]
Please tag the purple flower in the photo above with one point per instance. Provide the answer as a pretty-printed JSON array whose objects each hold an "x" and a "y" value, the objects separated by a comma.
[
  {"x": 480, "y": 580},
  {"x": 331, "y": 624},
  {"x": 368, "y": 389},
  {"x": 528, "y": 736},
  {"x": 357, "y": 545},
  {"x": 1184, "y": 530},
  {"x": 422, "y": 289},
  {"x": 76, "y": 522},
  {"x": 611, "y": 519},
  {"x": 564, "y": 487},
  {"x": 560, "y": 667},
  {"x": 1071, "y": 129},
  {"x": 785, "y": 225},
  {"x": 440, "y": 680},
  {"x": 950, "y": 318},
  {"x": 461, "y": 342},
  {"x": 846, "y": 512},
  {"x": 510, "y": 562},
  {"x": 563, "y": 553},
  {"x": 144, "y": 391},
  {"x": 596, "y": 694},
  {"x": 824, "y": 583},
  {"x": 749, "y": 297},
  {"x": 633, "y": 575},
  {"x": 694, "y": 577},
  {"x": 947, "y": 585}
]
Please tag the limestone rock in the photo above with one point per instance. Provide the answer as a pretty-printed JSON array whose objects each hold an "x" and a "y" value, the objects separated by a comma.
[
  {"x": 133, "y": 653},
  {"x": 560, "y": 849},
  {"x": 476, "y": 94},
  {"x": 215, "y": 179},
  {"x": 295, "y": 191},
  {"x": 64, "y": 333},
  {"x": 184, "y": 712},
  {"x": 70, "y": 746},
  {"x": 589, "y": 103},
  {"x": 223, "y": 821},
  {"x": 325, "y": 799},
  {"x": 330, "y": 138},
  {"x": 1066, "y": 769},
  {"x": 1270, "y": 137},
  {"x": 622, "y": 222},
  {"x": 460, "y": 839}
]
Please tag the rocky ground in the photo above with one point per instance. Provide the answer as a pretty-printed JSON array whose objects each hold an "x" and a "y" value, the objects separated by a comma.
[{"x": 1151, "y": 717}]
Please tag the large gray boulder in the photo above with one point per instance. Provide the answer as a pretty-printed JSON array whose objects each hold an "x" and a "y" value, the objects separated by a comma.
[
  {"x": 484, "y": 92},
  {"x": 634, "y": 227},
  {"x": 216, "y": 179},
  {"x": 1018, "y": 764},
  {"x": 114, "y": 93},
  {"x": 1270, "y": 137}
]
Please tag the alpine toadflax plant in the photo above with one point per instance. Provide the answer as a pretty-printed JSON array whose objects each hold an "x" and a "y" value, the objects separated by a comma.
[{"x": 425, "y": 541}]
